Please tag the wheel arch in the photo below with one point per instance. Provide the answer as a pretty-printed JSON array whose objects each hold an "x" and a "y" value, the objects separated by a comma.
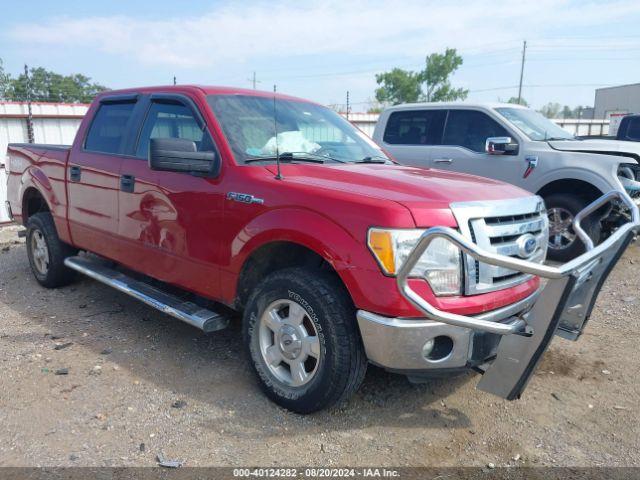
[
  {"x": 33, "y": 201},
  {"x": 570, "y": 186},
  {"x": 278, "y": 255}
]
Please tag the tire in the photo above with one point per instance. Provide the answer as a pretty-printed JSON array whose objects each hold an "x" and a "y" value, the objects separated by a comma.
[
  {"x": 566, "y": 207},
  {"x": 327, "y": 313},
  {"x": 47, "y": 253}
]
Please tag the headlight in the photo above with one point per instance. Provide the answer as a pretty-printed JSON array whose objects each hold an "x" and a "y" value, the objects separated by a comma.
[{"x": 440, "y": 264}]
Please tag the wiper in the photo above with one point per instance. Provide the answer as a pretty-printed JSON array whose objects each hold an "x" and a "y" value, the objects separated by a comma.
[
  {"x": 291, "y": 156},
  {"x": 551, "y": 139},
  {"x": 370, "y": 159}
]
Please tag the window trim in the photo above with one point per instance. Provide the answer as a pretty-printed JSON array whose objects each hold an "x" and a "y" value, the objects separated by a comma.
[
  {"x": 169, "y": 98},
  {"x": 113, "y": 100}
]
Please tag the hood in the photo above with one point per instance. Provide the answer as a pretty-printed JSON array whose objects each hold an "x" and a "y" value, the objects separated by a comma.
[
  {"x": 420, "y": 190},
  {"x": 631, "y": 149}
]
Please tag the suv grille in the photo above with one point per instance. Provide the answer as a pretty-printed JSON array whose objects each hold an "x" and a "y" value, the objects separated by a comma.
[{"x": 515, "y": 228}]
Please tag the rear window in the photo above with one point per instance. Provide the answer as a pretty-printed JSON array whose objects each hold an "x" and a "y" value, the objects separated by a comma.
[
  {"x": 415, "y": 127},
  {"x": 109, "y": 127}
]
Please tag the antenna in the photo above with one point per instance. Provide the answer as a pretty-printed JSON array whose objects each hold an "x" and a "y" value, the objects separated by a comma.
[{"x": 275, "y": 129}]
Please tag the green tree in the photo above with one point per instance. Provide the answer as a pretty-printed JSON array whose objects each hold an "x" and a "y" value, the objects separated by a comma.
[
  {"x": 551, "y": 110},
  {"x": 5, "y": 80},
  {"x": 436, "y": 77},
  {"x": 399, "y": 86},
  {"x": 431, "y": 84},
  {"x": 48, "y": 86},
  {"x": 515, "y": 100}
]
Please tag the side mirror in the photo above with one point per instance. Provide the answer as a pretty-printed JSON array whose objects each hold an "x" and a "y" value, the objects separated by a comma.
[
  {"x": 180, "y": 155},
  {"x": 500, "y": 146}
]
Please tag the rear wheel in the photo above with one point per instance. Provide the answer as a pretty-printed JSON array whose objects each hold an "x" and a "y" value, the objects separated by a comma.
[
  {"x": 564, "y": 244},
  {"x": 47, "y": 252},
  {"x": 301, "y": 335}
]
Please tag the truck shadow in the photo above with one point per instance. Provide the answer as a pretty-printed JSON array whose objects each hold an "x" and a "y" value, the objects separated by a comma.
[{"x": 213, "y": 370}]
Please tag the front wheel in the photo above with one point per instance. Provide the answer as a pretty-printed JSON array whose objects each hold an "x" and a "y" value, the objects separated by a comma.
[
  {"x": 564, "y": 244},
  {"x": 302, "y": 338}
]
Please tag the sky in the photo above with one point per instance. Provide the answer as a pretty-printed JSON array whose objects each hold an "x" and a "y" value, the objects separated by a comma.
[{"x": 320, "y": 50}]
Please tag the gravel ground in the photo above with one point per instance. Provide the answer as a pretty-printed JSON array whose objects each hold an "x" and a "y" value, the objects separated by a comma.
[{"x": 90, "y": 377}]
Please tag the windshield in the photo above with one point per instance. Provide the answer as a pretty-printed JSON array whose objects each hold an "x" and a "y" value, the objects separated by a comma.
[
  {"x": 534, "y": 125},
  {"x": 303, "y": 128}
]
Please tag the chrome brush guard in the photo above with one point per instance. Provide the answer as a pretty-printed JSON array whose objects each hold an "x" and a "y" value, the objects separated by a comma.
[{"x": 563, "y": 306}]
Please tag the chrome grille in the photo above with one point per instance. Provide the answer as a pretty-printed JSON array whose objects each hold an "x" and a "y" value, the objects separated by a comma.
[{"x": 499, "y": 227}]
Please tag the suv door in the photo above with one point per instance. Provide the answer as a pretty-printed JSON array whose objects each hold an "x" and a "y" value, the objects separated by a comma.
[
  {"x": 171, "y": 220},
  {"x": 93, "y": 175},
  {"x": 463, "y": 147},
  {"x": 409, "y": 135}
]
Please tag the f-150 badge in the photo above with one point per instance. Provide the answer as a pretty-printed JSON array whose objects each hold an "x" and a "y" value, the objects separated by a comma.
[
  {"x": 243, "y": 198},
  {"x": 532, "y": 163}
]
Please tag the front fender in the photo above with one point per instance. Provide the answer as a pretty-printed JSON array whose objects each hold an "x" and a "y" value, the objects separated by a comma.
[{"x": 345, "y": 251}]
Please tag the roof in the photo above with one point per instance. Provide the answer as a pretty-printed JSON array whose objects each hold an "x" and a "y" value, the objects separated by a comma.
[
  {"x": 619, "y": 86},
  {"x": 409, "y": 106},
  {"x": 206, "y": 89}
]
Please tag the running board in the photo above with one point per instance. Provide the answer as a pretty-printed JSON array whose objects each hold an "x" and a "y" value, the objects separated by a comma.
[{"x": 205, "y": 320}]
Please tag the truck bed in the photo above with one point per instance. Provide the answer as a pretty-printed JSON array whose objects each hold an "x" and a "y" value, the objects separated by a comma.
[{"x": 37, "y": 167}]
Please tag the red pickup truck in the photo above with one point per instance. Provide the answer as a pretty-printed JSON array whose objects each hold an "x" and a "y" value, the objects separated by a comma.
[{"x": 202, "y": 201}]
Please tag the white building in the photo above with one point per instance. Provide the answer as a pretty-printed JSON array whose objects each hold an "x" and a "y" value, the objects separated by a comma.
[{"x": 54, "y": 123}]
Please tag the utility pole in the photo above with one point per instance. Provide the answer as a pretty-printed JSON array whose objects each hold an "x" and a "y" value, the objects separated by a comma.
[
  {"x": 174, "y": 79},
  {"x": 524, "y": 51},
  {"x": 254, "y": 81},
  {"x": 347, "y": 104},
  {"x": 27, "y": 85}
]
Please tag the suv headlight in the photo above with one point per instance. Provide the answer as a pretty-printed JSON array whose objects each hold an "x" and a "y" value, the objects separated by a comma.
[{"x": 440, "y": 264}]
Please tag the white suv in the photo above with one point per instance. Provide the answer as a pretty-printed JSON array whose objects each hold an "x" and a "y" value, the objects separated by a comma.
[{"x": 517, "y": 145}]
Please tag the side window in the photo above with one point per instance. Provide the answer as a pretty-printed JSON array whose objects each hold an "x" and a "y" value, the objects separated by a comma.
[
  {"x": 172, "y": 120},
  {"x": 109, "y": 127},
  {"x": 415, "y": 127},
  {"x": 470, "y": 129},
  {"x": 633, "y": 129}
]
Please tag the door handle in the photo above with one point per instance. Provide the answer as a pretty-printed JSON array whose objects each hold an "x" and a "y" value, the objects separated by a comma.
[
  {"x": 443, "y": 160},
  {"x": 75, "y": 173},
  {"x": 127, "y": 183}
]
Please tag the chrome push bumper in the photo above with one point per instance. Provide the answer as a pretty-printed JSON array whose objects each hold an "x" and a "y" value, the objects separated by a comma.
[{"x": 562, "y": 307}]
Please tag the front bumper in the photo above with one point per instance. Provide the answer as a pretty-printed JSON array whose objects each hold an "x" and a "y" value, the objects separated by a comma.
[
  {"x": 397, "y": 344},
  {"x": 507, "y": 344}
]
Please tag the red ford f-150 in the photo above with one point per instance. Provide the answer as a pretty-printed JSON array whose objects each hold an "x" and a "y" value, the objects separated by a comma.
[{"x": 202, "y": 200}]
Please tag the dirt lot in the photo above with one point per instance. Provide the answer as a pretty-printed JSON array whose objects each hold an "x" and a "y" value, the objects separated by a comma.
[{"x": 140, "y": 383}]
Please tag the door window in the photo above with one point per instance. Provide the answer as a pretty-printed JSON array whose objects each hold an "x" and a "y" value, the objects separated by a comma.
[
  {"x": 172, "y": 120},
  {"x": 415, "y": 127},
  {"x": 633, "y": 129},
  {"x": 109, "y": 127},
  {"x": 470, "y": 129}
]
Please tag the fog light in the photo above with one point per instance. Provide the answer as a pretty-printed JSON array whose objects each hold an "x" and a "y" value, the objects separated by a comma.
[
  {"x": 437, "y": 348},
  {"x": 427, "y": 348}
]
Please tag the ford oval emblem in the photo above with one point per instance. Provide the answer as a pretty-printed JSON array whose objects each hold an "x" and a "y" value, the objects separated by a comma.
[{"x": 527, "y": 244}]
